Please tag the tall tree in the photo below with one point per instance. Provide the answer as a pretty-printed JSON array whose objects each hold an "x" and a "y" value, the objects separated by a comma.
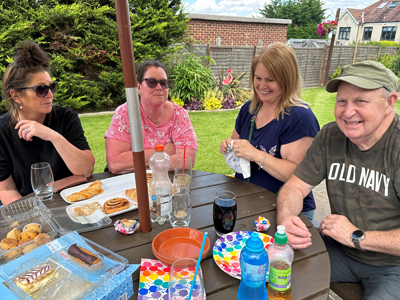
[
  {"x": 81, "y": 37},
  {"x": 305, "y": 16}
]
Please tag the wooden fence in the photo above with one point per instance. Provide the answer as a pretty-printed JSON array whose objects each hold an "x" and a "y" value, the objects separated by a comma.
[{"x": 238, "y": 59}]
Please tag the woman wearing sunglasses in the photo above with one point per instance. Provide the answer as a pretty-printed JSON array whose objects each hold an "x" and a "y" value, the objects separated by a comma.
[
  {"x": 163, "y": 122},
  {"x": 33, "y": 130}
]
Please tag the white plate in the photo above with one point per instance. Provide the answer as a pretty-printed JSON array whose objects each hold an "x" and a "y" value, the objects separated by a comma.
[
  {"x": 102, "y": 199},
  {"x": 109, "y": 185}
]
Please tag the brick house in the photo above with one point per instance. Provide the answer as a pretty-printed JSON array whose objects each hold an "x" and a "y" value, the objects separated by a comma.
[
  {"x": 237, "y": 31},
  {"x": 377, "y": 22}
]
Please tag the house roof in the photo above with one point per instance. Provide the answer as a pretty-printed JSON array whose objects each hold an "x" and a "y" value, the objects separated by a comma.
[
  {"x": 374, "y": 15},
  {"x": 237, "y": 19}
]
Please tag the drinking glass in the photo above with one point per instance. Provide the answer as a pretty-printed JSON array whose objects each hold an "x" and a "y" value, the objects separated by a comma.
[
  {"x": 180, "y": 208},
  {"x": 224, "y": 212},
  {"x": 42, "y": 180},
  {"x": 181, "y": 161},
  {"x": 181, "y": 278},
  {"x": 181, "y": 181}
]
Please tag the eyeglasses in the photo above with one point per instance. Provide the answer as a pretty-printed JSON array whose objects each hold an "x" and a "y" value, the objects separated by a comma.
[
  {"x": 42, "y": 90},
  {"x": 152, "y": 83}
]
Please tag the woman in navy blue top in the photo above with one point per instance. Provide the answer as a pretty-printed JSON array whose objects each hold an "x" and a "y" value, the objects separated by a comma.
[{"x": 284, "y": 125}]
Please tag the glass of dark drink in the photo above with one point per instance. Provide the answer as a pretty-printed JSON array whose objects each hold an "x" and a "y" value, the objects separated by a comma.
[{"x": 224, "y": 212}]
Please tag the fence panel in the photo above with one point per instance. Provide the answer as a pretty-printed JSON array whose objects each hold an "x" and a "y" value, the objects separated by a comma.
[{"x": 239, "y": 58}]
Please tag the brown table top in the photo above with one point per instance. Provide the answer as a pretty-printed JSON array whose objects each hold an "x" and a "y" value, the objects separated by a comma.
[{"x": 311, "y": 268}]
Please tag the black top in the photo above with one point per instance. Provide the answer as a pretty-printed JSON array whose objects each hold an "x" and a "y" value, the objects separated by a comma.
[{"x": 17, "y": 155}]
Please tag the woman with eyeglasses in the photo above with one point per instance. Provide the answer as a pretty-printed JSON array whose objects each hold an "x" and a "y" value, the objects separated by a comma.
[
  {"x": 163, "y": 122},
  {"x": 33, "y": 130}
]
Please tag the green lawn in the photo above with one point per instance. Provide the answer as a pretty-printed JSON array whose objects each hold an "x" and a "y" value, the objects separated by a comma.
[{"x": 211, "y": 128}]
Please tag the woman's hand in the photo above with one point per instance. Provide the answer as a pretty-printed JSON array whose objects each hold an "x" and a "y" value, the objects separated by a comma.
[
  {"x": 243, "y": 148},
  {"x": 225, "y": 146},
  {"x": 27, "y": 129}
]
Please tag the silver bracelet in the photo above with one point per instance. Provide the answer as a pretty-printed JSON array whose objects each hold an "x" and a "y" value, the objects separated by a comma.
[{"x": 262, "y": 164}]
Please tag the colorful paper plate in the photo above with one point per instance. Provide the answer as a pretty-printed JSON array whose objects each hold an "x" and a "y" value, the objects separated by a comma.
[{"x": 226, "y": 251}]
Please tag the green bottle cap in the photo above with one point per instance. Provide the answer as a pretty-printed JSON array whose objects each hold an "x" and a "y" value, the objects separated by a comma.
[{"x": 280, "y": 235}]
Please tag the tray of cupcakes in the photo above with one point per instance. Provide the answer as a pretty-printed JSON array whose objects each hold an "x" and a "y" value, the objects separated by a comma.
[{"x": 70, "y": 267}]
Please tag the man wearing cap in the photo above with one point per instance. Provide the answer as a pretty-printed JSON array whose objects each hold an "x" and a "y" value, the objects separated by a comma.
[{"x": 359, "y": 157}]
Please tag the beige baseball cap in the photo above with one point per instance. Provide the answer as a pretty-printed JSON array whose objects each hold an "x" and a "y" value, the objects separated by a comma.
[{"x": 368, "y": 75}]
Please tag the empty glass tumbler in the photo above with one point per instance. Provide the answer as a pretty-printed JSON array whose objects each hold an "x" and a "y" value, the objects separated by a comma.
[{"x": 42, "y": 180}]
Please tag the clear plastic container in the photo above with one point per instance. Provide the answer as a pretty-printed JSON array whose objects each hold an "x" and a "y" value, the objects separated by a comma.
[
  {"x": 54, "y": 223},
  {"x": 72, "y": 280},
  {"x": 160, "y": 186}
]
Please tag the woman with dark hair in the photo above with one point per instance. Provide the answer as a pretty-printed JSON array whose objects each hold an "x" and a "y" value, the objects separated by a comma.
[
  {"x": 163, "y": 122},
  {"x": 276, "y": 128},
  {"x": 33, "y": 130}
]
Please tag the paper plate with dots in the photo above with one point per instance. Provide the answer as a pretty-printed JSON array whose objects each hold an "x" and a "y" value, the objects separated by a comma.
[{"x": 226, "y": 250}]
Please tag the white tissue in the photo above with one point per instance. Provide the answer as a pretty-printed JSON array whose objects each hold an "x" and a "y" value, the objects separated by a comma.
[{"x": 238, "y": 164}]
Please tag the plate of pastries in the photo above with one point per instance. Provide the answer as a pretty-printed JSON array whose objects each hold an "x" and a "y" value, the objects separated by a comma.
[
  {"x": 97, "y": 189},
  {"x": 110, "y": 202}
]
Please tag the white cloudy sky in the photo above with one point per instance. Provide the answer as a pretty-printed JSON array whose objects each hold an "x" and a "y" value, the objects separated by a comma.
[{"x": 247, "y": 8}]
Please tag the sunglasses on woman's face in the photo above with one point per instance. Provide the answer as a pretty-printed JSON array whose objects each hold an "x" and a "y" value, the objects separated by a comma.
[
  {"x": 152, "y": 83},
  {"x": 42, "y": 90}
]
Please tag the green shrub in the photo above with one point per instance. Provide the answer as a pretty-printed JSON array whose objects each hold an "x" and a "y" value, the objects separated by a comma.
[
  {"x": 395, "y": 66},
  {"x": 189, "y": 77},
  {"x": 386, "y": 60},
  {"x": 213, "y": 99},
  {"x": 336, "y": 74},
  {"x": 377, "y": 43},
  {"x": 81, "y": 37}
]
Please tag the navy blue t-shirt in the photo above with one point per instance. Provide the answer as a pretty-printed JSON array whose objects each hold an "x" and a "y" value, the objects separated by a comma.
[{"x": 300, "y": 122}]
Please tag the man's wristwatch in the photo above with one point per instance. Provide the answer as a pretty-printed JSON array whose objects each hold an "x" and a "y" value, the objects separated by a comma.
[{"x": 357, "y": 236}]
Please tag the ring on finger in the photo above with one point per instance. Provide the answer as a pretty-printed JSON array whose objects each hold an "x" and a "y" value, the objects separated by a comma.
[
  {"x": 26, "y": 130},
  {"x": 325, "y": 227},
  {"x": 236, "y": 150}
]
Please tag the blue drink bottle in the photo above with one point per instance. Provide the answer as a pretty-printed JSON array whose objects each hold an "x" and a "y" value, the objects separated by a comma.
[{"x": 254, "y": 267}]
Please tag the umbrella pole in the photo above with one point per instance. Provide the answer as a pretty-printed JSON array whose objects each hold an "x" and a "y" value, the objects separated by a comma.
[{"x": 132, "y": 99}]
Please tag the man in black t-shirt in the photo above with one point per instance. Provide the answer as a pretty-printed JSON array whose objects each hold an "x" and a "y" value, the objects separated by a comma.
[{"x": 359, "y": 157}]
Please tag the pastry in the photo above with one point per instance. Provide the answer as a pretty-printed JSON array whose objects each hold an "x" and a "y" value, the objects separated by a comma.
[
  {"x": 30, "y": 247},
  {"x": 148, "y": 176},
  {"x": 27, "y": 235},
  {"x": 89, "y": 192},
  {"x": 116, "y": 204},
  {"x": 14, "y": 225},
  {"x": 21, "y": 242},
  {"x": 34, "y": 227},
  {"x": 98, "y": 205},
  {"x": 13, "y": 253},
  {"x": 42, "y": 239},
  {"x": 128, "y": 223},
  {"x": 34, "y": 279},
  {"x": 8, "y": 243},
  {"x": 132, "y": 194},
  {"x": 85, "y": 258},
  {"x": 14, "y": 234},
  {"x": 84, "y": 210}
]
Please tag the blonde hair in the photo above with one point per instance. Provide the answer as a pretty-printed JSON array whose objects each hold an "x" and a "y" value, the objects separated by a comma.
[{"x": 281, "y": 63}]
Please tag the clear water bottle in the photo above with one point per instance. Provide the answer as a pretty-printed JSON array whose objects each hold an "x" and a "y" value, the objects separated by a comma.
[
  {"x": 160, "y": 186},
  {"x": 253, "y": 266},
  {"x": 280, "y": 269}
]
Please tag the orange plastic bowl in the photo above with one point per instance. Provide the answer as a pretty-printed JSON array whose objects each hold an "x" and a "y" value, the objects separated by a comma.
[{"x": 176, "y": 243}]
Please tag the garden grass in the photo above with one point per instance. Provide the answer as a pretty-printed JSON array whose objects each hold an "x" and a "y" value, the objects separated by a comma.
[{"x": 211, "y": 128}]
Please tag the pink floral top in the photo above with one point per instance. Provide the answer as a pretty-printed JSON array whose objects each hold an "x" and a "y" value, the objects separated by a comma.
[{"x": 178, "y": 129}]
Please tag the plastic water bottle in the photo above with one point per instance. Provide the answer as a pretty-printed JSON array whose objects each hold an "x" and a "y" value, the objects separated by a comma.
[
  {"x": 253, "y": 266},
  {"x": 160, "y": 186},
  {"x": 280, "y": 268}
]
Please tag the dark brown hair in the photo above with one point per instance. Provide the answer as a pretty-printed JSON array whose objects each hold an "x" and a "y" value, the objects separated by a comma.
[
  {"x": 29, "y": 60},
  {"x": 145, "y": 65}
]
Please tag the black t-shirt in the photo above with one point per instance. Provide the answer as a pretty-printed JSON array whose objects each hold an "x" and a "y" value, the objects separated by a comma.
[{"x": 17, "y": 155}]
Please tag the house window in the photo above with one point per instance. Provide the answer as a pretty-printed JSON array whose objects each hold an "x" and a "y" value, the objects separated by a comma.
[
  {"x": 382, "y": 5},
  {"x": 367, "y": 33},
  {"x": 393, "y": 4},
  {"x": 388, "y": 33},
  {"x": 344, "y": 33}
]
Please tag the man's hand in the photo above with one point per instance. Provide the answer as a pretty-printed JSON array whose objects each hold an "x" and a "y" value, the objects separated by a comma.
[
  {"x": 299, "y": 237},
  {"x": 339, "y": 228}
]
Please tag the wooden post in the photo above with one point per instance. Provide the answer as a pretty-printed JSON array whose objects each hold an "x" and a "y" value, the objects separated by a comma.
[
  {"x": 328, "y": 63},
  {"x": 379, "y": 52},
  {"x": 254, "y": 50},
  {"x": 322, "y": 65},
  {"x": 208, "y": 55},
  {"x": 355, "y": 53}
]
